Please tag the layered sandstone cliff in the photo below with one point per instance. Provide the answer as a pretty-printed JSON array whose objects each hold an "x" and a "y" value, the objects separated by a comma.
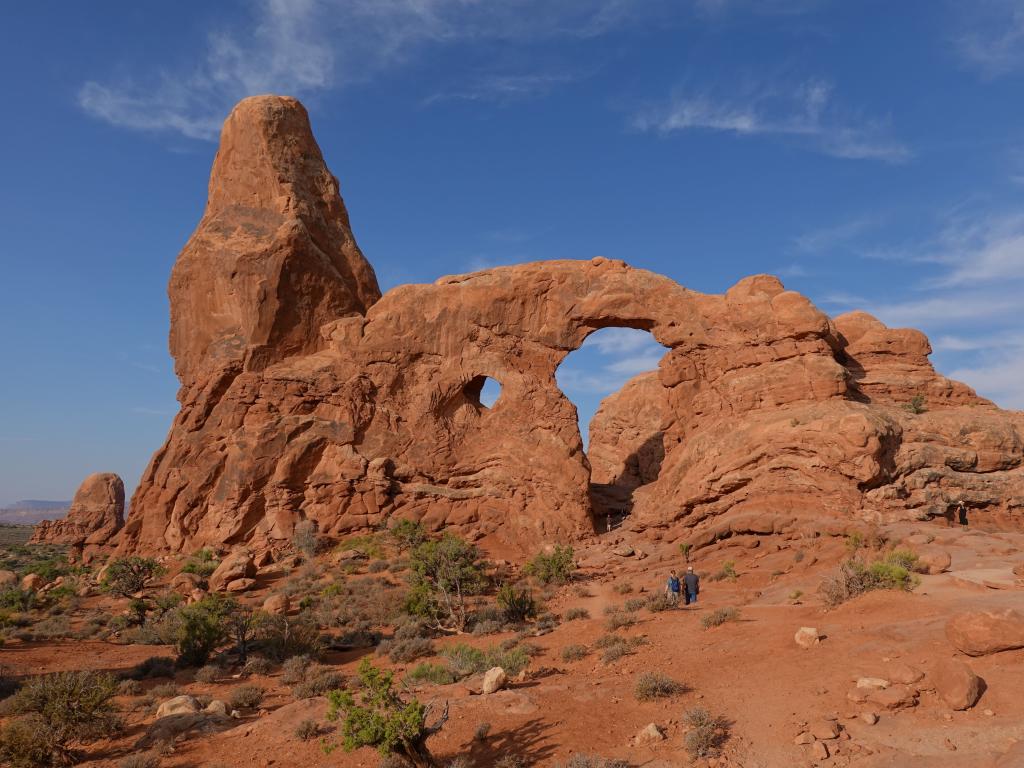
[
  {"x": 307, "y": 395},
  {"x": 95, "y": 515}
]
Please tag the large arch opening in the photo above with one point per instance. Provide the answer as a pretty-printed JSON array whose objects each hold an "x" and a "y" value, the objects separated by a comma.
[{"x": 612, "y": 382}]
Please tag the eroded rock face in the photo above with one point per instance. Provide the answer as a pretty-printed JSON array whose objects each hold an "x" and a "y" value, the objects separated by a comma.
[
  {"x": 306, "y": 395},
  {"x": 95, "y": 515}
]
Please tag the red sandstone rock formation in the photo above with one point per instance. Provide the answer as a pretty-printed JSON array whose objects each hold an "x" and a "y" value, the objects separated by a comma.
[
  {"x": 306, "y": 396},
  {"x": 95, "y": 515}
]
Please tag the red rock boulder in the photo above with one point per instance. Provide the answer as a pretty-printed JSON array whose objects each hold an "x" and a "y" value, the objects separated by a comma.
[
  {"x": 95, "y": 515},
  {"x": 979, "y": 633}
]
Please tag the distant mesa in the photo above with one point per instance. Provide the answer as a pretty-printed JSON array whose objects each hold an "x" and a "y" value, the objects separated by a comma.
[
  {"x": 31, "y": 511},
  {"x": 307, "y": 395}
]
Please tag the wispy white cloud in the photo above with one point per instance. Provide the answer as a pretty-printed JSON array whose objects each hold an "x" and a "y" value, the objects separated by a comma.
[
  {"x": 806, "y": 113},
  {"x": 993, "y": 39},
  {"x": 301, "y": 47},
  {"x": 829, "y": 238},
  {"x": 504, "y": 88}
]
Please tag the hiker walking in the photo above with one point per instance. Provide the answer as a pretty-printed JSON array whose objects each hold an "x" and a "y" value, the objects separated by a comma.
[
  {"x": 672, "y": 588},
  {"x": 692, "y": 583},
  {"x": 961, "y": 513}
]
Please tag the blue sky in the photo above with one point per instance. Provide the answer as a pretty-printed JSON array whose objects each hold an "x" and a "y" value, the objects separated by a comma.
[{"x": 869, "y": 153}]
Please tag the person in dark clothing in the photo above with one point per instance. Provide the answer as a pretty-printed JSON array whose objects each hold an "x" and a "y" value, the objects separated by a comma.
[
  {"x": 672, "y": 588},
  {"x": 961, "y": 513},
  {"x": 692, "y": 583}
]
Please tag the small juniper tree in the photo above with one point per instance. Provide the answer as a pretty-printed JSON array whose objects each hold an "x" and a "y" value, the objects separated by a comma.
[
  {"x": 384, "y": 719},
  {"x": 443, "y": 573},
  {"x": 128, "y": 576},
  {"x": 408, "y": 534},
  {"x": 241, "y": 624}
]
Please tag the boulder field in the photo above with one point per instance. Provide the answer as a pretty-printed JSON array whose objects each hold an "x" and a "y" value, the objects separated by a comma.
[{"x": 307, "y": 395}]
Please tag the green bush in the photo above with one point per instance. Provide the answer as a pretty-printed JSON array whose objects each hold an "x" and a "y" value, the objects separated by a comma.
[
  {"x": 15, "y": 599},
  {"x": 655, "y": 685},
  {"x": 916, "y": 405},
  {"x": 65, "y": 709},
  {"x": 202, "y": 563},
  {"x": 381, "y": 717},
  {"x": 443, "y": 573},
  {"x": 199, "y": 629},
  {"x": 466, "y": 660},
  {"x": 555, "y": 568},
  {"x": 517, "y": 605},
  {"x": 128, "y": 576},
  {"x": 727, "y": 572},
  {"x": 854, "y": 578},
  {"x": 431, "y": 673},
  {"x": 719, "y": 617},
  {"x": 408, "y": 534}
]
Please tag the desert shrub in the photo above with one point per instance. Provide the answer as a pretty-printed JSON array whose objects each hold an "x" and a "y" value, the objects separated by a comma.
[
  {"x": 16, "y": 599},
  {"x": 129, "y": 687},
  {"x": 902, "y": 558},
  {"x": 487, "y": 627},
  {"x": 726, "y": 572},
  {"x": 614, "y": 647},
  {"x": 707, "y": 733},
  {"x": 403, "y": 651},
  {"x": 294, "y": 669},
  {"x": 555, "y": 568},
  {"x": 208, "y": 674},
  {"x": 546, "y": 623},
  {"x": 257, "y": 665},
  {"x": 202, "y": 563},
  {"x": 655, "y": 685},
  {"x": 634, "y": 604},
  {"x": 407, "y": 534},
  {"x": 658, "y": 603},
  {"x": 65, "y": 709},
  {"x": 283, "y": 637},
  {"x": 481, "y": 732},
  {"x": 618, "y": 620},
  {"x": 247, "y": 696},
  {"x": 307, "y": 730},
  {"x": 516, "y": 605},
  {"x": 28, "y": 743},
  {"x": 684, "y": 550},
  {"x": 511, "y": 761},
  {"x": 154, "y": 666},
  {"x": 796, "y": 594},
  {"x": 574, "y": 614},
  {"x": 381, "y": 717},
  {"x": 128, "y": 576},
  {"x": 164, "y": 691},
  {"x": 442, "y": 574},
  {"x": 798, "y": 556},
  {"x": 378, "y": 566},
  {"x": 198, "y": 630},
  {"x": 371, "y": 600},
  {"x": 853, "y": 578},
  {"x": 622, "y": 588},
  {"x": 368, "y": 545},
  {"x": 916, "y": 405},
  {"x": 719, "y": 617},
  {"x": 466, "y": 660},
  {"x": 241, "y": 624},
  {"x": 574, "y": 652},
  {"x": 304, "y": 538},
  {"x": 593, "y": 761},
  {"x": 319, "y": 680},
  {"x": 431, "y": 673},
  {"x": 141, "y": 760}
]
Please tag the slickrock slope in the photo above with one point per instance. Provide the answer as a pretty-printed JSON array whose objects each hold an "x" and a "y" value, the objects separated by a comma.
[
  {"x": 305, "y": 395},
  {"x": 95, "y": 515}
]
